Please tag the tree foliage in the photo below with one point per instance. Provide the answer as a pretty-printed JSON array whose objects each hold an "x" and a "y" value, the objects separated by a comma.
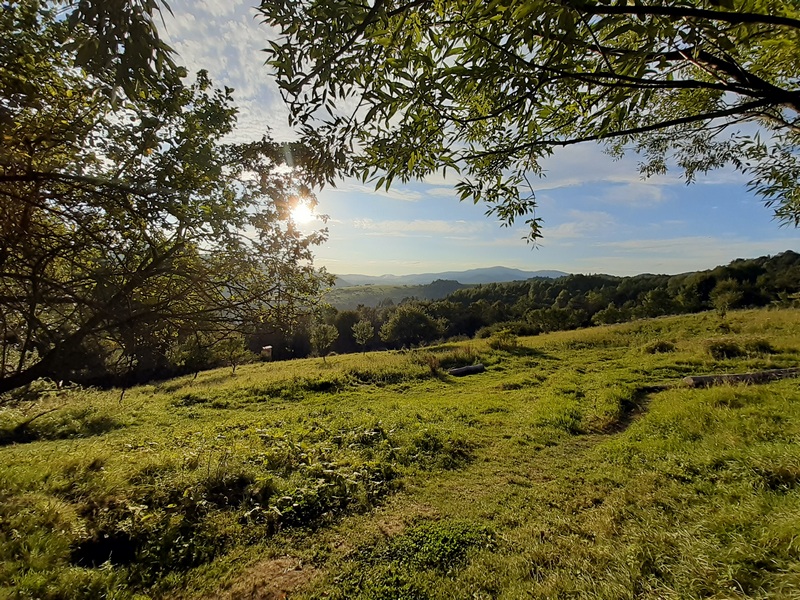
[
  {"x": 363, "y": 332},
  {"x": 127, "y": 224},
  {"x": 394, "y": 89},
  {"x": 410, "y": 325},
  {"x": 322, "y": 338}
]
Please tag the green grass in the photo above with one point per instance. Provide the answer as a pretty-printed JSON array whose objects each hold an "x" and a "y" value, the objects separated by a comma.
[{"x": 567, "y": 469}]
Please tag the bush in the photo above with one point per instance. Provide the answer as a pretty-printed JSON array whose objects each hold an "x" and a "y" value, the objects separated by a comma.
[
  {"x": 658, "y": 347},
  {"x": 723, "y": 348},
  {"x": 503, "y": 340},
  {"x": 758, "y": 346}
]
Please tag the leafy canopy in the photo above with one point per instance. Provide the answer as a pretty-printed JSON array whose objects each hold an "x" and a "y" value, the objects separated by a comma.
[
  {"x": 410, "y": 325},
  {"x": 363, "y": 332},
  {"x": 128, "y": 226},
  {"x": 395, "y": 89}
]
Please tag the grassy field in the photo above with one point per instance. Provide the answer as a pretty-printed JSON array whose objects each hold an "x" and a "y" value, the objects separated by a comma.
[{"x": 574, "y": 467}]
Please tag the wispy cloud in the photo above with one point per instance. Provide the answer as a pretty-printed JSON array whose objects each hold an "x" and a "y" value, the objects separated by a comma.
[
  {"x": 582, "y": 224},
  {"x": 395, "y": 193},
  {"x": 636, "y": 195},
  {"x": 441, "y": 192},
  {"x": 691, "y": 244},
  {"x": 224, "y": 37},
  {"x": 588, "y": 164},
  {"x": 419, "y": 227}
]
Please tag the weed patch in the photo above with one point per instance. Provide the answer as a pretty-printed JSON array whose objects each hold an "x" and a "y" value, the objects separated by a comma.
[
  {"x": 178, "y": 515},
  {"x": 446, "y": 356},
  {"x": 658, "y": 347},
  {"x": 439, "y": 545},
  {"x": 503, "y": 340},
  {"x": 398, "y": 567}
]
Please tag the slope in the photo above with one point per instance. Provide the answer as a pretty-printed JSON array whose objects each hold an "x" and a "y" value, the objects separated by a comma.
[{"x": 560, "y": 471}]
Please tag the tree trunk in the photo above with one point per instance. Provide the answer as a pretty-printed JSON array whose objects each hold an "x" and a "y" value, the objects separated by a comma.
[
  {"x": 470, "y": 370},
  {"x": 29, "y": 375},
  {"x": 757, "y": 377}
]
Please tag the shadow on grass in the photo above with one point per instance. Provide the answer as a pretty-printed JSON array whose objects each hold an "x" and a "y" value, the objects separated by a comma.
[
  {"x": 522, "y": 351},
  {"x": 75, "y": 424}
]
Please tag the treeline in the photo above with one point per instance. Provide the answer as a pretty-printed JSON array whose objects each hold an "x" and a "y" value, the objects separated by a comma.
[
  {"x": 522, "y": 308},
  {"x": 541, "y": 305}
]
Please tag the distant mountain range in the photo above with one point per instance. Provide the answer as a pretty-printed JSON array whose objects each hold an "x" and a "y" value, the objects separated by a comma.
[{"x": 470, "y": 276}]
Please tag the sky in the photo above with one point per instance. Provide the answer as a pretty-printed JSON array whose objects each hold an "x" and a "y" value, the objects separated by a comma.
[{"x": 599, "y": 215}]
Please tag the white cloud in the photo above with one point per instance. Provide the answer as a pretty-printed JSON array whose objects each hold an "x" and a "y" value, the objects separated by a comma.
[
  {"x": 181, "y": 24},
  {"x": 582, "y": 224},
  {"x": 504, "y": 241},
  {"x": 587, "y": 163},
  {"x": 441, "y": 192},
  {"x": 220, "y": 8},
  {"x": 440, "y": 179},
  {"x": 635, "y": 195},
  {"x": 224, "y": 38},
  {"x": 420, "y": 227},
  {"x": 402, "y": 194},
  {"x": 671, "y": 245}
]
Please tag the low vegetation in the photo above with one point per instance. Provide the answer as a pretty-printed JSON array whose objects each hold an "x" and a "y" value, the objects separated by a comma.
[{"x": 571, "y": 468}]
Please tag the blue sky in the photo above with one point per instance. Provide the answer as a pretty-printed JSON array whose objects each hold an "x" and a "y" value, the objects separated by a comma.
[{"x": 599, "y": 215}]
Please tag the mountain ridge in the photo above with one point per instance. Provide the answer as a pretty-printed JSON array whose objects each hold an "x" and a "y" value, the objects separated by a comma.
[{"x": 497, "y": 274}]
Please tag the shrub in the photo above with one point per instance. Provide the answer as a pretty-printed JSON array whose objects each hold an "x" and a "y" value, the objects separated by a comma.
[
  {"x": 758, "y": 346},
  {"x": 721, "y": 349},
  {"x": 503, "y": 340},
  {"x": 658, "y": 347}
]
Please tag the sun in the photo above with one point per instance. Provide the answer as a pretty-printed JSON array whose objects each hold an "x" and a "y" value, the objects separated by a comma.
[{"x": 303, "y": 213}]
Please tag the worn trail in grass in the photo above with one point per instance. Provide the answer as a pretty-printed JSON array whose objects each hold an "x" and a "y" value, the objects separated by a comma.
[
  {"x": 560, "y": 472},
  {"x": 512, "y": 482},
  {"x": 603, "y": 515}
]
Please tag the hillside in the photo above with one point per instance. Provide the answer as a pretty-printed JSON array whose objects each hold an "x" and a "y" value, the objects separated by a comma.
[
  {"x": 573, "y": 467},
  {"x": 349, "y": 298}
]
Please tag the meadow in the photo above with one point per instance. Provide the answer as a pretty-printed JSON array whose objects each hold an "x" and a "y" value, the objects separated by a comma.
[{"x": 576, "y": 466}]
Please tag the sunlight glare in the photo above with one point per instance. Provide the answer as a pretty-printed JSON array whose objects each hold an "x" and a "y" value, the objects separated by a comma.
[{"x": 302, "y": 214}]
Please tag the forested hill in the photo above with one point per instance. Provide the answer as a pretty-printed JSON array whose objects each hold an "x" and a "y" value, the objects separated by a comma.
[
  {"x": 542, "y": 305},
  {"x": 353, "y": 290},
  {"x": 579, "y": 300},
  {"x": 374, "y": 295}
]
